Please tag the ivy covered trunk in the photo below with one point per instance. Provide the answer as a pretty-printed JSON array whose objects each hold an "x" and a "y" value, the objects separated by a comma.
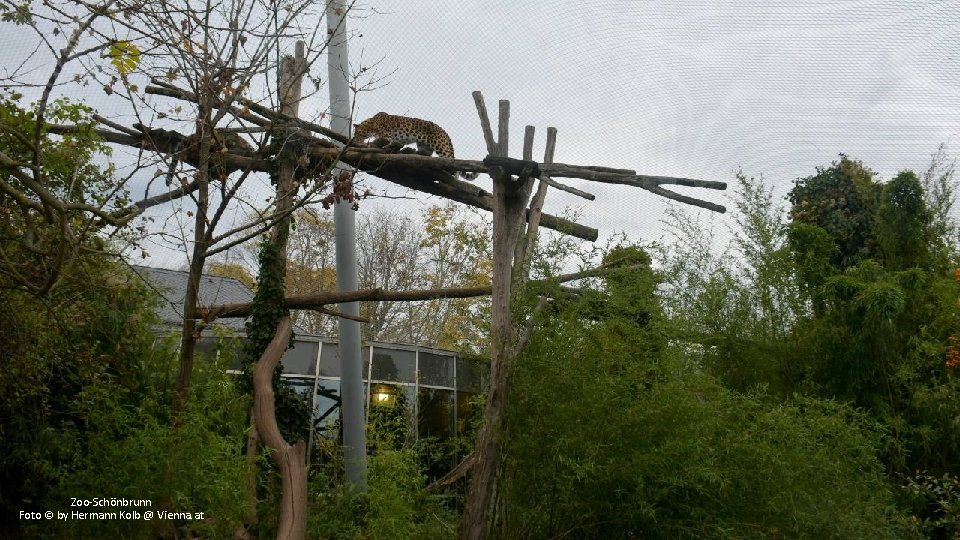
[{"x": 270, "y": 323}]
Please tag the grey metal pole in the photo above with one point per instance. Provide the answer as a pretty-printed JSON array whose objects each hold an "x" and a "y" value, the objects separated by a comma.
[{"x": 351, "y": 376}]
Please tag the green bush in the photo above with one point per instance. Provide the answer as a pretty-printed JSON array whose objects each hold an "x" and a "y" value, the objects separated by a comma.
[
  {"x": 132, "y": 452},
  {"x": 610, "y": 437},
  {"x": 396, "y": 505}
]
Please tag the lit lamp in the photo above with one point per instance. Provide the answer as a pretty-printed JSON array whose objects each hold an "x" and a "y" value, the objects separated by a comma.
[{"x": 383, "y": 396}]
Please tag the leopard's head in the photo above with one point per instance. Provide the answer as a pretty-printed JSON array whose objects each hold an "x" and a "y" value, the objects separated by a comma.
[{"x": 369, "y": 127}]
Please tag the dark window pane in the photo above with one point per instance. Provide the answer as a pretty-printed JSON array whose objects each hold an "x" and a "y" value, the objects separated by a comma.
[
  {"x": 409, "y": 395},
  {"x": 301, "y": 359},
  {"x": 328, "y": 404},
  {"x": 330, "y": 360},
  {"x": 220, "y": 349},
  {"x": 466, "y": 411},
  {"x": 390, "y": 413},
  {"x": 435, "y": 411},
  {"x": 304, "y": 387},
  {"x": 206, "y": 347},
  {"x": 468, "y": 375},
  {"x": 393, "y": 365},
  {"x": 436, "y": 369},
  {"x": 232, "y": 348}
]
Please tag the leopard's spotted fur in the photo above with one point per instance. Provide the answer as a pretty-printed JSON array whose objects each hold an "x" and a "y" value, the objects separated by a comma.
[{"x": 401, "y": 130}]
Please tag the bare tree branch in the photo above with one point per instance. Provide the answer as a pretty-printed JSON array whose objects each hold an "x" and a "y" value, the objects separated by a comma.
[{"x": 164, "y": 88}]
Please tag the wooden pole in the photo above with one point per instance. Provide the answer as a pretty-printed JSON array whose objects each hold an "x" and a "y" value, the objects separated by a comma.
[
  {"x": 510, "y": 196},
  {"x": 290, "y": 460}
]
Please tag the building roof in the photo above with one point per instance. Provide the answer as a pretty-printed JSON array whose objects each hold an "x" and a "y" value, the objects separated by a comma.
[
  {"x": 171, "y": 285},
  {"x": 299, "y": 361}
]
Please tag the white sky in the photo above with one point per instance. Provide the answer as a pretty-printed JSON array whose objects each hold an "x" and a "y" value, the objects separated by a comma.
[
  {"x": 679, "y": 89},
  {"x": 667, "y": 87}
]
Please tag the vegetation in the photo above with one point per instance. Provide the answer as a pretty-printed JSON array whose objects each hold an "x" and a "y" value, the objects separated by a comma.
[
  {"x": 87, "y": 387},
  {"x": 676, "y": 454}
]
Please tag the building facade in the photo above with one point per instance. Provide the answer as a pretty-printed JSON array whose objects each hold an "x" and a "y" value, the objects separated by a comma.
[{"x": 436, "y": 387}]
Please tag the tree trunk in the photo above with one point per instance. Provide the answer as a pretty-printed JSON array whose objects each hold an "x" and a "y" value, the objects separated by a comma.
[
  {"x": 250, "y": 482},
  {"x": 292, "y": 524},
  {"x": 188, "y": 338},
  {"x": 290, "y": 460},
  {"x": 510, "y": 198}
]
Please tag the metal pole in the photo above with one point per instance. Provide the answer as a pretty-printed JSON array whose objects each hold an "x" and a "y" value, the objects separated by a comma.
[{"x": 351, "y": 377}]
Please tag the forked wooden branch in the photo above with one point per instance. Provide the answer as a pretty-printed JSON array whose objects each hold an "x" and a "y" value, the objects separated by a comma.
[
  {"x": 613, "y": 176},
  {"x": 536, "y": 208},
  {"x": 529, "y": 244},
  {"x": 602, "y": 174},
  {"x": 421, "y": 173}
]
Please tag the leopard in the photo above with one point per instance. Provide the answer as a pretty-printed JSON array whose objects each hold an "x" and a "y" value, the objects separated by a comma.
[{"x": 402, "y": 130}]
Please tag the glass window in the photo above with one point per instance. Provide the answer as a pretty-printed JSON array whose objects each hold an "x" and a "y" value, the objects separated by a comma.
[
  {"x": 220, "y": 348},
  {"x": 206, "y": 347},
  {"x": 232, "y": 348},
  {"x": 435, "y": 412},
  {"x": 304, "y": 387},
  {"x": 436, "y": 369},
  {"x": 330, "y": 360},
  {"x": 328, "y": 404},
  {"x": 390, "y": 414},
  {"x": 384, "y": 395},
  {"x": 468, "y": 375},
  {"x": 301, "y": 359},
  {"x": 467, "y": 411},
  {"x": 394, "y": 365}
]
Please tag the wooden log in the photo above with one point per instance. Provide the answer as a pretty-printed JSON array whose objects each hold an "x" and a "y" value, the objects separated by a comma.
[{"x": 313, "y": 301}]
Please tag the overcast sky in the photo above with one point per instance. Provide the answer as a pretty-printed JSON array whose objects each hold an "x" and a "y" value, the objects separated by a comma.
[
  {"x": 692, "y": 89},
  {"x": 680, "y": 89}
]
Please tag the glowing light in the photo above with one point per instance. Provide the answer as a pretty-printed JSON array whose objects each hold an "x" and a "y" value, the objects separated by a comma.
[{"x": 383, "y": 395}]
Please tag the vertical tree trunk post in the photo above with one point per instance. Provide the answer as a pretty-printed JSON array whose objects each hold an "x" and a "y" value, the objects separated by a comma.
[
  {"x": 190, "y": 331},
  {"x": 292, "y": 69},
  {"x": 290, "y": 460},
  {"x": 188, "y": 337},
  {"x": 510, "y": 199}
]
